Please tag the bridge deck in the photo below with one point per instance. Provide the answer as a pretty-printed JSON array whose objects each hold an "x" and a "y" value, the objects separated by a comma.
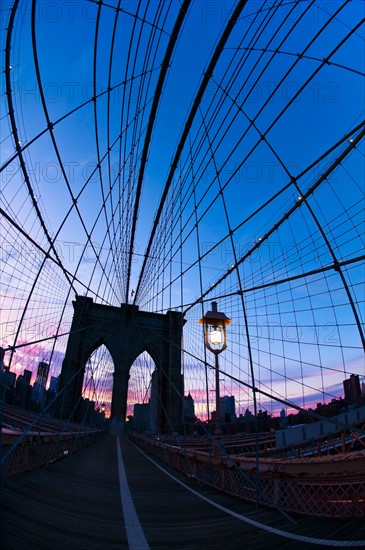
[{"x": 77, "y": 503}]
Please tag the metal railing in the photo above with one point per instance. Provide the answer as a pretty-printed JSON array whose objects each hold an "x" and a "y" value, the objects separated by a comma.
[
  {"x": 330, "y": 486},
  {"x": 40, "y": 448}
]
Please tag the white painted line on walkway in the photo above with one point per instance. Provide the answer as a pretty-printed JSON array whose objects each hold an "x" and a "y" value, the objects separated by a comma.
[
  {"x": 135, "y": 534},
  {"x": 259, "y": 525}
]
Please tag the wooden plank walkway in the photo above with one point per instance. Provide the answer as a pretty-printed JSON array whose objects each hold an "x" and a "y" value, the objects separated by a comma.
[{"x": 77, "y": 503}]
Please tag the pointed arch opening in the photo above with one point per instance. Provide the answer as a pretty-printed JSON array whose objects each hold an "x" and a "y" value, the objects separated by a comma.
[
  {"x": 142, "y": 399},
  {"x": 97, "y": 386}
]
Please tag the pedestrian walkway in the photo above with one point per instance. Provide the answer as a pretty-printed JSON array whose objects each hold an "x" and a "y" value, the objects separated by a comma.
[{"x": 110, "y": 495}]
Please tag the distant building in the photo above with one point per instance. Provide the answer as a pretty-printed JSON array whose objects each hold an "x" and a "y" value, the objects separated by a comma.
[
  {"x": 248, "y": 416},
  {"x": 8, "y": 377},
  {"x": 27, "y": 376},
  {"x": 23, "y": 390},
  {"x": 39, "y": 388},
  {"x": 153, "y": 402},
  {"x": 7, "y": 383},
  {"x": 227, "y": 407},
  {"x": 88, "y": 415},
  {"x": 352, "y": 389},
  {"x": 42, "y": 374},
  {"x": 188, "y": 408},
  {"x": 51, "y": 393},
  {"x": 141, "y": 417},
  {"x": 53, "y": 385},
  {"x": 283, "y": 419}
]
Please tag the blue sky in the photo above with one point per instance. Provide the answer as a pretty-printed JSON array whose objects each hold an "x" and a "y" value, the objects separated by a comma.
[{"x": 248, "y": 96}]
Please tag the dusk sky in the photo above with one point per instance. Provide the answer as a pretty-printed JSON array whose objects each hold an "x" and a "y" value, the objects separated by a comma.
[{"x": 251, "y": 193}]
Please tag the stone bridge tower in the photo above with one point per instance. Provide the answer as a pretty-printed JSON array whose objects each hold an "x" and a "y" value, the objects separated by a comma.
[{"x": 126, "y": 332}]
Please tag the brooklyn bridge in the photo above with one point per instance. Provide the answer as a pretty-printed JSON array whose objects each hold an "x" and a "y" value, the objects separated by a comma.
[{"x": 182, "y": 274}]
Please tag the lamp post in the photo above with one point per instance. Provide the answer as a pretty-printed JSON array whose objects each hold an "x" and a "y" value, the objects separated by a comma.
[{"x": 215, "y": 323}]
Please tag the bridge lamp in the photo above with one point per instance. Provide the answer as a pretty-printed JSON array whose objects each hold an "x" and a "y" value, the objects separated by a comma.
[{"x": 215, "y": 323}]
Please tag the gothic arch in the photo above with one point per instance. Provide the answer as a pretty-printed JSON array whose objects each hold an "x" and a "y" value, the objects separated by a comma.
[
  {"x": 126, "y": 332},
  {"x": 148, "y": 349},
  {"x": 98, "y": 343}
]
